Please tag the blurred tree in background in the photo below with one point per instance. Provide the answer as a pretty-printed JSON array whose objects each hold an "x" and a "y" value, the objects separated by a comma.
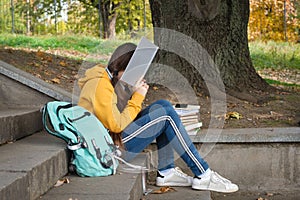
[
  {"x": 104, "y": 18},
  {"x": 269, "y": 19},
  {"x": 274, "y": 20}
]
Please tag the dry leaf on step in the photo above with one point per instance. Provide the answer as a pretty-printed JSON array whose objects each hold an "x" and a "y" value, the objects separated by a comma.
[
  {"x": 164, "y": 190},
  {"x": 62, "y": 181}
]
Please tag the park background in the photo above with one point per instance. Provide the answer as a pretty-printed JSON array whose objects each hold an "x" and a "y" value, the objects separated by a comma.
[
  {"x": 51, "y": 38},
  {"x": 276, "y": 20}
]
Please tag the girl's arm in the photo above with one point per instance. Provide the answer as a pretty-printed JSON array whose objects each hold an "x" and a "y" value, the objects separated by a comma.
[{"x": 105, "y": 107}]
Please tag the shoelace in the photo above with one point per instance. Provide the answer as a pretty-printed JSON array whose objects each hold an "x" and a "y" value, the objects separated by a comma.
[
  {"x": 180, "y": 173},
  {"x": 220, "y": 178}
]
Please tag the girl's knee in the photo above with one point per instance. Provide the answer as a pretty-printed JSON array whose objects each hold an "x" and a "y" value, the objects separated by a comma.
[
  {"x": 163, "y": 107},
  {"x": 163, "y": 102}
]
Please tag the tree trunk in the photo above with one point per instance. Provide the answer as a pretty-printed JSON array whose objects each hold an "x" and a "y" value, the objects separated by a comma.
[
  {"x": 109, "y": 17},
  {"x": 220, "y": 28},
  {"x": 104, "y": 10},
  {"x": 112, "y": 26}
]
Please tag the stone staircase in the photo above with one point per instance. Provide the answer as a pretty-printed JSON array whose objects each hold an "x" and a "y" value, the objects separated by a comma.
[{"x": 31, "y": 160}]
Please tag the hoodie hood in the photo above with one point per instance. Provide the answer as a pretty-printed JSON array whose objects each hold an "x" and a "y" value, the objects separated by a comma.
[{"x": 92, "y": 73}]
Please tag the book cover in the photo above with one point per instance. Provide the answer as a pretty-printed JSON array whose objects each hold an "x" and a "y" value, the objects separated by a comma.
[
  {"x": 190, "y": 121},
  {"x": 139, "y": 62},
  {"x": 193, "y": 126},
  {"x": 182, "y": 112},
  {"x": 187, "y": 107},
  {"x": 194, "y": 131}
]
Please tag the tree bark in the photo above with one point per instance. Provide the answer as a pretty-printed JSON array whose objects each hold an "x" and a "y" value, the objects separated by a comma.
[
  {"x": 220, "y": 27},
  {"x": 108, "y": 15},
  {"x": 105, "y": 10},
  {"x": 112, "y": 26}
]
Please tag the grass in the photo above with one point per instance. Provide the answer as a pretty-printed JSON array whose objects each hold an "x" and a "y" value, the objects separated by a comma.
[
  {"x": 292, "y": 87},
  {"x": 276, "y": 55},
  {"x": 90, "y": 45}
]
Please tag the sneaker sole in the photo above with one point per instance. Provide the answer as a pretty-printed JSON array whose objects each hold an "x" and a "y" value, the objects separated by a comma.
[
  {"x": 173, "y": 184},
  {"x": 215, "y": 190}
]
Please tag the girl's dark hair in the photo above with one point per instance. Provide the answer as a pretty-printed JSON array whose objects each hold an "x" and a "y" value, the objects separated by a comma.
[{"x": 119, "y": 60}]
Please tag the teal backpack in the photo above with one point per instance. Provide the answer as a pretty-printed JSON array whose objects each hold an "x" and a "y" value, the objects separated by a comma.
[{"x": 93, "y": 151}]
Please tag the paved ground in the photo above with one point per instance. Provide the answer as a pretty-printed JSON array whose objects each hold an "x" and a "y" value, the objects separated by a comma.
[{"x": 186, "y": 193}]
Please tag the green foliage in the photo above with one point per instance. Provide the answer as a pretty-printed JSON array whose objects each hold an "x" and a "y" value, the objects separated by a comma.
[
  {"x": 43, "y": 17},
  {"x": 266, "y": 18},
  {"x": 279, "y": 83},
  {"x": 6, "y": 18},
  {"x": 277, "y": 55},
  {"x": 71, "y": 42},
  {"x": 131, "y": 17},
  {"x": 268, "y": 21}
]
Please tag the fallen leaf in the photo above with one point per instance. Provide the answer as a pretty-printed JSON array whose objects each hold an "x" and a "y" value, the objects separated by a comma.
[
  {"x": 62, "y": 181},
  {"x": 49, "y": 59},
  {"x": 63, "y": 63},
  {"x": 155, "y": 88},
  {"x": 40, "y": 54},
  {"x": 55, "y": 80},
  {"x": 234, "y": 115},
  {"x": 164, "y": 190}
]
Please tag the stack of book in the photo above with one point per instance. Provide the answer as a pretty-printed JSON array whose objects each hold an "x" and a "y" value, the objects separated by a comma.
[{"x": 190, "y": 117}]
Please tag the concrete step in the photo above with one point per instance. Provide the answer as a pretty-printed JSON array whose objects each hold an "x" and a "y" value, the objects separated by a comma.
[
  {"x": 23, "y": 88},
  {"x": 122, "y": 186},
  {"x": 30, "y": 166},
  {"x": 16, "y": 123}
]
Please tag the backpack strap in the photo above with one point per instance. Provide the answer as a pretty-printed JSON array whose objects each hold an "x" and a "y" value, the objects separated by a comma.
[
  {"x": 116, "y": 155},
  {"x": 69, "y": 105},
  {"x": 50, "y": 129},
  {"x": 74, "y": 147},
  {"x": 47, "y": 121},
  {"x": 133, "y": 167}
]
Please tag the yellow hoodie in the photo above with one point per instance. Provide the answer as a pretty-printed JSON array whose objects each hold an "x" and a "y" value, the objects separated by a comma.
[{"x": 98, "y": 96}]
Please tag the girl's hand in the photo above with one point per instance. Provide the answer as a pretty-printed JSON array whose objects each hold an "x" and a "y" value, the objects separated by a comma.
[{"x": 141, "y": 87}]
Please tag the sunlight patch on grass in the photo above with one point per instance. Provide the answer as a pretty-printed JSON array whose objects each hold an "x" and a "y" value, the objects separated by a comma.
[
  {"x": 74, "y": 42},
  {"x": 276, "y": 55}
]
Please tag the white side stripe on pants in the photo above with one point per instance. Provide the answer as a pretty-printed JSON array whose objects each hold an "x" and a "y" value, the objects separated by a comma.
[{"x": 176, "y": 130}]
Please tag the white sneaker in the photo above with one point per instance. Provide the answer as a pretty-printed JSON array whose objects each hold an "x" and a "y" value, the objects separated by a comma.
[
  {"x": 214, "y": 182},
  {"x": 174, "y": 178}
]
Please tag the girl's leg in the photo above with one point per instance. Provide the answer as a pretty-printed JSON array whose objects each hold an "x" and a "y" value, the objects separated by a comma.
[{"x": 160, "y": 121}]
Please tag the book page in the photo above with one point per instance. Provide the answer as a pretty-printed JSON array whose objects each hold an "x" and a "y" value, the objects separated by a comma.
[{"x": 139, "y": 62}]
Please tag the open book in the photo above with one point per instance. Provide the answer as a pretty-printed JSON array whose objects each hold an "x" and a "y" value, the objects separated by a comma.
[
  {"x": 139, "y": 62},
  {"x": 135, "y": 70}
]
